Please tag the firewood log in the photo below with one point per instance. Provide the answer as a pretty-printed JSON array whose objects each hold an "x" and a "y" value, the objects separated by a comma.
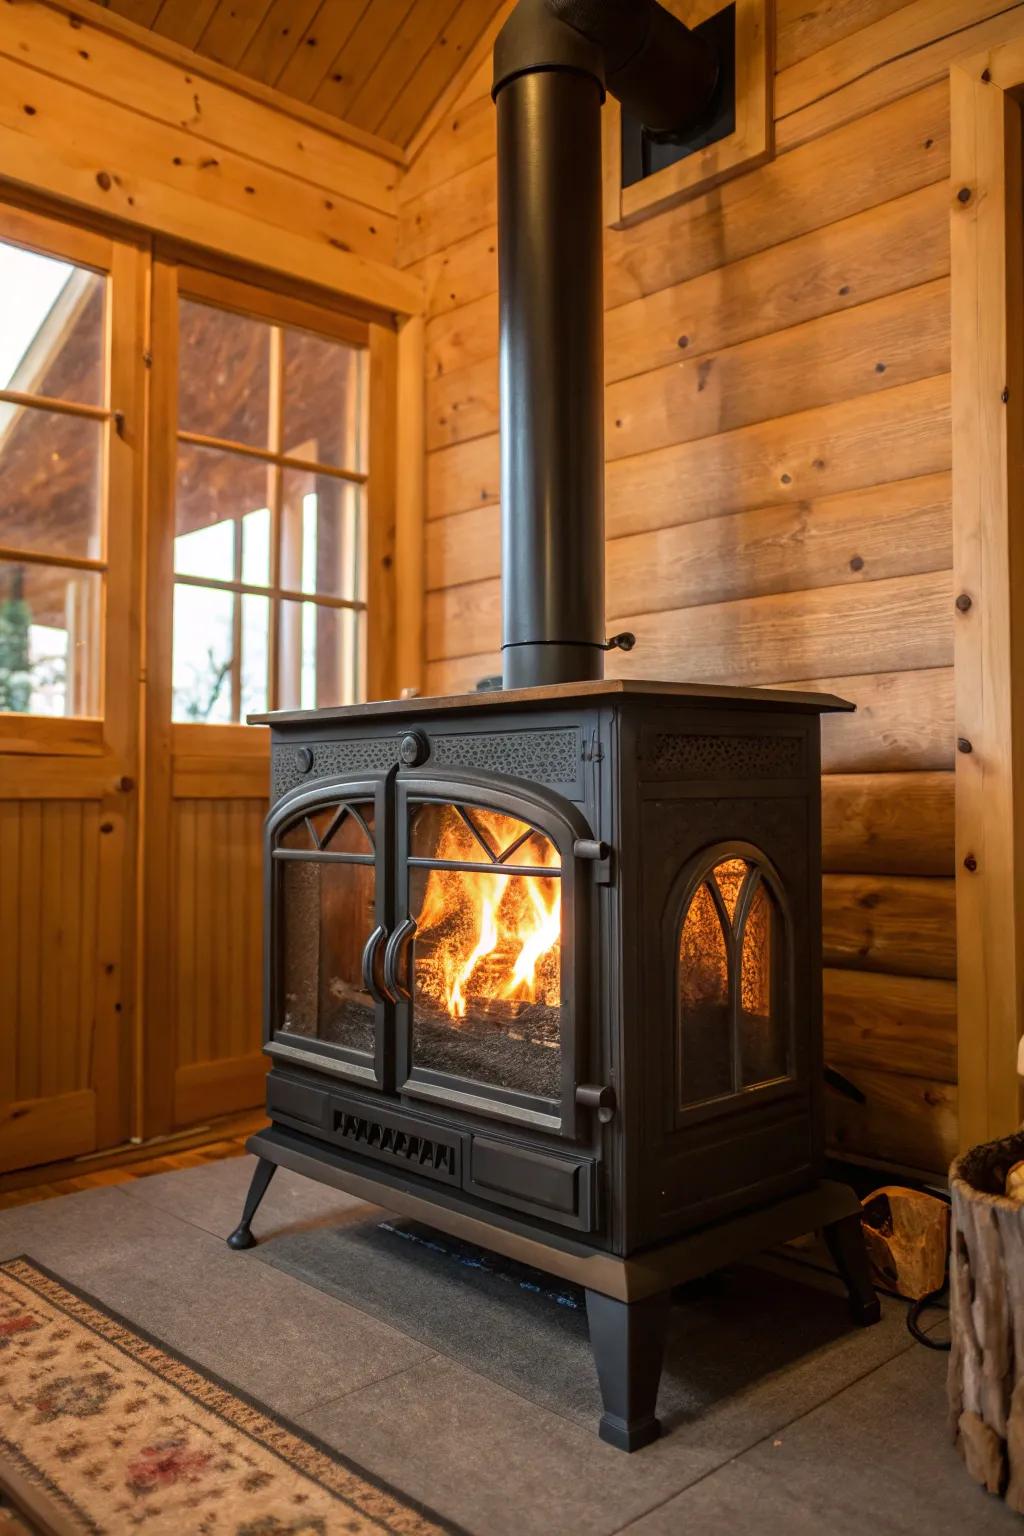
[{"x": 907, "y": 1236}]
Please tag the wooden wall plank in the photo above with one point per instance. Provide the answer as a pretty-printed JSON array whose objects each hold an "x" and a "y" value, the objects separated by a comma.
[
  {"x": 907, "y": 30},
  {"x": 47, "y": 1129},
  {"x": 894, "y": 340},
  {"x": 897, "y": 924},
  {"x": 910, "y": 1121},
  {"x": 903, "y": 721},
  {"x": 868, "y": 92},
  {"x": 894, "y": 1023},
  {"x": 891, "y": 530},
  {"x": 906, "y": 145},
  {"x": 890, "y": 341},
  {"x": 888, "y": 823},
  {"x": 878, "y": 627},
  {"x": 801, "y": 30},
  {"x": 903, "y": 434}
]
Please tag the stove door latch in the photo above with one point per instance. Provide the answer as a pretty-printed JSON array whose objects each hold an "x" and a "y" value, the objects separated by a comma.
[
  {"x": 590, "y": 1096},
  {"x": 598, "y": 855}
]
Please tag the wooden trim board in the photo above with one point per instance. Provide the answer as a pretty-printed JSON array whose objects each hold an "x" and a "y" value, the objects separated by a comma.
[{"x": 988, "y": 516}]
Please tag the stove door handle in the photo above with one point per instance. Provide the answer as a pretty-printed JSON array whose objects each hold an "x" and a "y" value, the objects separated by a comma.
[
  {"x": 399, "y": 991},
  {"x": 369, "y": 960}
]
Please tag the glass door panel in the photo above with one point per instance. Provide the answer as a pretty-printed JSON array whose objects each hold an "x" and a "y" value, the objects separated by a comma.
[
  {"x": 487, "y": 986},
  {"x": 328, "y": 926}
]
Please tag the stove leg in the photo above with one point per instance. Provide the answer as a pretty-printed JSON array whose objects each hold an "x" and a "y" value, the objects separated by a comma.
[
  {"x": 628, "y": 1341},
  {"x": 242, "y": 1236},
  {"x": 846, "y": 1244}
]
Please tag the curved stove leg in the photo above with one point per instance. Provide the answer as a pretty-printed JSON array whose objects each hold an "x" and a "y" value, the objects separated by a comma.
[{"x": 242, "y": 1236}]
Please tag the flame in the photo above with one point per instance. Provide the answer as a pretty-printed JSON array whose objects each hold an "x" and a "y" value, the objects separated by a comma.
[{"x": 493, "y": 935}]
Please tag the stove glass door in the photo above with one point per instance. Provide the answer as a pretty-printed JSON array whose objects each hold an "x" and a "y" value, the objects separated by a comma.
[
  {"x": 328, "y": 927},
  {"x": 485, "y": 977}
]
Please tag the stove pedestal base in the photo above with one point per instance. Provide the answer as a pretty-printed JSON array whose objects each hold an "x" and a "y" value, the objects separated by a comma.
[{"x": 628, "y": 1299}]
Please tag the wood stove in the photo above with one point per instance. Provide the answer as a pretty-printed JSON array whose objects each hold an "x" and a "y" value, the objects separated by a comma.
[{"x": 544, "y": 964}]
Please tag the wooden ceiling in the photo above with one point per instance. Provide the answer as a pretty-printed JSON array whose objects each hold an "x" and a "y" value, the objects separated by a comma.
[{"x": 379, "y": 65}]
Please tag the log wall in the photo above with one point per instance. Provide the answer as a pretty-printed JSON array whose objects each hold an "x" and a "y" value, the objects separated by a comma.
[{"x": 779, "y": 501}]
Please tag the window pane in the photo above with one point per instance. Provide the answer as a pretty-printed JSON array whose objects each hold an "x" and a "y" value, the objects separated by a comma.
[
  {"x": 322, "y": 535},
  {"x": 324, "y": 400},
  {"x": 255, "y": 628},
  {"x": 51, "y": 327},
  {"x": 50, "y": 629},
  {"x": 224, "y": 374},
  {"x": 321, "y": 656},
  {"x": 705, "y": 1039},
  {"x": 762, "y": 1027},
  {"x": 50, "y": 482},
  {"x": 328, "y": 915},
  {"x": 217, "y": 493},
  {"x": 203, "y": 649}
]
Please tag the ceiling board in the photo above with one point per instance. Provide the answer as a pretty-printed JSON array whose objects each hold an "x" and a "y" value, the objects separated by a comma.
[{"x": 377, "y": 65}]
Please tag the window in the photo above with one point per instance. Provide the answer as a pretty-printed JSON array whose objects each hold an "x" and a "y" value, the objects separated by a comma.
[
  {"x": 732, "y": 989},
  {"x": 270, "y": 516},
  {"x": 54, "y": 428}
]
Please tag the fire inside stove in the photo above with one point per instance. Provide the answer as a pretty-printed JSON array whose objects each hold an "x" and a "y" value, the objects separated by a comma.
[
  {"x": 733, "y": 1033},
  {"x": 488, "y": 949}
]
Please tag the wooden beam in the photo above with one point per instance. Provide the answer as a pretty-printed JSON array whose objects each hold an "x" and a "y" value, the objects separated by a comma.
[
  {"x": 988, "y": 557},
  {"x": 410, "y": 572}
]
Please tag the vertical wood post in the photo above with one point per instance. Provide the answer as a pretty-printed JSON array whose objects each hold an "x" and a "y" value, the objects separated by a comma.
[{"x": 988, "y": 562}]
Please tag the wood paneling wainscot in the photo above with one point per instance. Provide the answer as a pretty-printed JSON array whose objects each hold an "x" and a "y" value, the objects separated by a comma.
[{"x": 778, "y": 486}]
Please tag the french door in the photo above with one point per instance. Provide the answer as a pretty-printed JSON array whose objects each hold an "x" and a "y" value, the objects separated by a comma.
[
  {"x": 270, "y": 552},
  {"x": 72, "y": 424}
]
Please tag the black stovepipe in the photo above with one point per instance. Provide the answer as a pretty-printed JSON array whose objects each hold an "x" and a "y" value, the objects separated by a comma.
[{"x": 553, "y": 61}]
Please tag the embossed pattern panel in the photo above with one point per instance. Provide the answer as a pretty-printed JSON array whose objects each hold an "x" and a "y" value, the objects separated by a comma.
[
  {"x": 331, "y": 759},
  {"x": 686, "y": 755},
  {"x": 544, "y": 757}
]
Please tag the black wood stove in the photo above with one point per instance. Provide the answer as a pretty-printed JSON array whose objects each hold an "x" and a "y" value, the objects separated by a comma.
[{"x": 544, "y": 964}]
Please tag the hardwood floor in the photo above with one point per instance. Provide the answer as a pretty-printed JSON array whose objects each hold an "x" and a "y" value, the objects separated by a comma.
[{"x": 226, "y": 1145}]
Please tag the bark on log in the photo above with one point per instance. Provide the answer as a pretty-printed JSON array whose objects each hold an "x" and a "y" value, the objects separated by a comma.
[{"x": 986, "y": 1310}]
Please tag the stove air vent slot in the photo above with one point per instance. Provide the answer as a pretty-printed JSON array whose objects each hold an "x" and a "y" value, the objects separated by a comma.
[{"x": 399, "y": 1140}]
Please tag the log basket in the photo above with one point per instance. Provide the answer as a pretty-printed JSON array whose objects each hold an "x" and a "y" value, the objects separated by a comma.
[{"x": 986, "y": 1309}]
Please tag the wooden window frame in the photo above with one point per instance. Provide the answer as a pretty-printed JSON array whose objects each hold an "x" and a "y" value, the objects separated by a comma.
[
  {"x": 281, "y": 311},
  {"x": 112, "y": 729},
  {"x": 987, "y": 232}
]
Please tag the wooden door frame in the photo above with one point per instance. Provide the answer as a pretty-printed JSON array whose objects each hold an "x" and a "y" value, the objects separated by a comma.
[
  {"x": 396, "y": 468},
  {"x": 96, "y": 758},
  {"x": 987, "y": 220}
]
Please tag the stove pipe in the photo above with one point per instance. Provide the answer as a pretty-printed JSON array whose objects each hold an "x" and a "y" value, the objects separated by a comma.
[{"x": 553, "y": 61}]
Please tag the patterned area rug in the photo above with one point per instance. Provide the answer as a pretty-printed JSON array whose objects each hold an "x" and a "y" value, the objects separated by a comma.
[{"x": 103, "y": 1429}]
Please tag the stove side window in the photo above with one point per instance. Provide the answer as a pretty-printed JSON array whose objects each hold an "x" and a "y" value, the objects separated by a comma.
[
  {"x": 732, "y": 983},
  {"x": 326, "y": 895}
]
